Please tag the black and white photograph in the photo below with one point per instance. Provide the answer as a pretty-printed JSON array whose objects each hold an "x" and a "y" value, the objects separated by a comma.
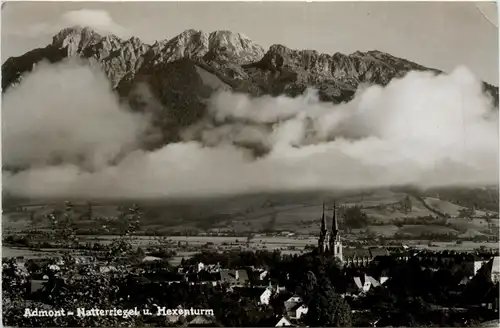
[{"x": 250, "y": 164}]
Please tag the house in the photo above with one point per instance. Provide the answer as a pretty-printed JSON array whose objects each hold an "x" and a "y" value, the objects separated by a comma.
[
  {"x": 81, "y": 260},
  {"x": 54, "y": 267},
  {"x": 294, "y": 299},
  {"x": 265, "y": 297},
  {"x": 202, "y": 321},
  {"x": 172, "y": 319},
  {"x": 495, "y": 269},
  {"x": 491, "y": 270},
  {"x": 373, "y": 282},
  {"x": 383, "y": 279},
  {"x": 490, "y": 300},
  {"x": 21, "y": 269},
  {"x": 295, "y": 308},
  {"x": 106, "y": 269},
  {"x": 241, "y": 276},
  {"x": 280, "y": 289},
  {"x": 207, "y": 277},
  {"x": 350, "y": 289},
  {"x": 473, "y": 263},
  {"x": 401, "y": 255},
  {"x": 464, "y": 281},
  {"x": 213, "y": 268},
  {"x": 261, "y": 294},
  {"x": 151, "y": 259},
  {"x": 173, "y": 282},
  {"x": 37, "y": 285},
  {"x": 298, "y": 311},
  {"x": 234, "y": 277},
  {"x": 363, "y": 283},
  {"x": 259, "y": 277},
  {"x": 284, "y": 322}
]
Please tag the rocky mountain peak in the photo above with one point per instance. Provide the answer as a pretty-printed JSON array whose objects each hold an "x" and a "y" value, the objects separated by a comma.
[
  {"x": 229, "y": 56},
  {"x": 189, "y": 44},
  {"x": 218, "y": 46},
  {"x": 76, "y": 38},
  {"x": 227, "y": 46},
  {"x": 182, "y": 73}
]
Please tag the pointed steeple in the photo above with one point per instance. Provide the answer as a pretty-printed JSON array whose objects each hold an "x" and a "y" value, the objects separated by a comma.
[
  {"x": 335, "y": 226},
  {"x": 324, "y": 240},
  {"x": 335, "y": 242},
  {"x": 323, "y": 220}
]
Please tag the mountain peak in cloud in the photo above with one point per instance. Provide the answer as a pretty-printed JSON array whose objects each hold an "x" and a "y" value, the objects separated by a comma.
[
  {"x": 99, "y": 20},
  {"x": 225, "y": 117},
  {"x": 75, "y": 38}
]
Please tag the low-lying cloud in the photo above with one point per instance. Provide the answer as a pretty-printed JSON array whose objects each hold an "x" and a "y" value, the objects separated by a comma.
[
  {"x": 422, "y": 130},
  {"x": 67, "y": 114}
]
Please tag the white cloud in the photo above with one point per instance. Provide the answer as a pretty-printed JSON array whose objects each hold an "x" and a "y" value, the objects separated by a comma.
[
  {"x": 423, "y": 130},
  {"x": 99, "y": 20},
  {"x": 67, "y": 113}
]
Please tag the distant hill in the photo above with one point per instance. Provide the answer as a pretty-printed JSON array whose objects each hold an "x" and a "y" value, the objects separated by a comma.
[{"x": 278, "y": 212}]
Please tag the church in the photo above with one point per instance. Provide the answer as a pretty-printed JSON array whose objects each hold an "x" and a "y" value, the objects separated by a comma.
[{"x": 329, "y": 243}]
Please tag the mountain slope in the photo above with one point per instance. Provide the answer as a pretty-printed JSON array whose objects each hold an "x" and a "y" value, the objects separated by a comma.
[{"x": 183, "y": 72}]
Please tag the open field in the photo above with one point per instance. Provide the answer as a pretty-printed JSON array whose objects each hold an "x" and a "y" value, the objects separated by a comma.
[
  {"x": 384, "y": 230},
  {"x": 295, "y": 213},
  {"x": 8, "y": 251},
  {"x": 387, "y": 213},
  {"x": 449, "y": 208},
  {"x": 203, "y": 240},
  {"x": 421, "y": 229},
  {"x": 443, "y": 206},
  {"x": 282, "y": 244}
]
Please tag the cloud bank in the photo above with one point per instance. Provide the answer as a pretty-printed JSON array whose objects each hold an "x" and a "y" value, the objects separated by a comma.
[
  {"x": 67, "y": 114},
  {"x": 67, "y": 129}
]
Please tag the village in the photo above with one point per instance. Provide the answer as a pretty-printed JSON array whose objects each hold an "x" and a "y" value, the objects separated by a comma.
[{"x": 330, "y": 284}]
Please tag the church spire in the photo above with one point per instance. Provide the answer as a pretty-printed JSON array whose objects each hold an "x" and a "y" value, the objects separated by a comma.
[
  {"x": 323, "y": 220},
  {"x": 324, "y": 240},
  {"x": 335, "y": 226},
  {"x": 335, "y": 242}
]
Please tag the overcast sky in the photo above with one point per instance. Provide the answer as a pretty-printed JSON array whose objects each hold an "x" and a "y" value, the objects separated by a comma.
[{"x": 435, "y": 34}]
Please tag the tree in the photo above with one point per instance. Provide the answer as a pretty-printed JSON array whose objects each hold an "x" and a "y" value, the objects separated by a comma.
[
  {"x": 34, "y": 220},
  {"x": 129, "y": 220},
  {"x": 311, "y": 281},
  {"x": 62, "y": 226},
  {"x": 327, "y": 308},
  {"x": 355, "y": 218},
  {"x": 407, "y": 204}
]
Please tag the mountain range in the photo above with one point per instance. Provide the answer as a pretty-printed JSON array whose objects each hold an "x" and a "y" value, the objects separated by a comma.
[{"x": 184, "y": 71}]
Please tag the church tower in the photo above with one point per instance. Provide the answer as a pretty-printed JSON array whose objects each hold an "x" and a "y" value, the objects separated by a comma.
[
  {"x": 335, "y": 242},
  {"x": 324, "y": 237}
]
